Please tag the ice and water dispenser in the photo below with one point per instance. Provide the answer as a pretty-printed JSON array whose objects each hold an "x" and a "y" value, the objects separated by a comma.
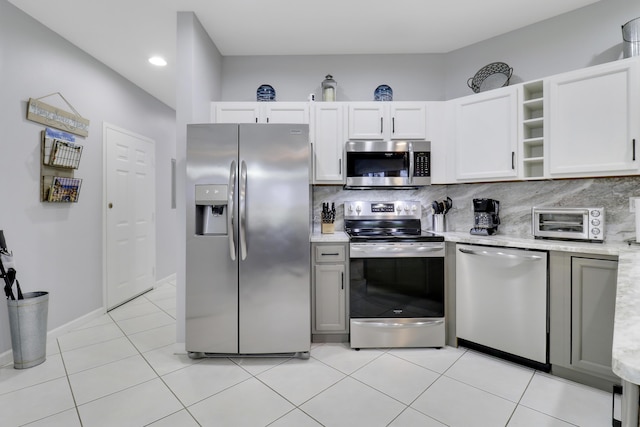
[{"x": 211, "y": 209}]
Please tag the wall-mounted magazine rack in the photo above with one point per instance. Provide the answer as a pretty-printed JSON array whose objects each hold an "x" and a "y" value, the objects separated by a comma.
[
  {"x": 62, "y": 189},
  {"x": 60, "y": 157}
]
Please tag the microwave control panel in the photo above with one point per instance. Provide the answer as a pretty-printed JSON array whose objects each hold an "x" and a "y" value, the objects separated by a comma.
[{"x": 422, "y": 164}]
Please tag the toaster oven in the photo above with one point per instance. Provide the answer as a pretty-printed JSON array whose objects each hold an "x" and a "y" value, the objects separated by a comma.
[{"x": 570, "y": 223}]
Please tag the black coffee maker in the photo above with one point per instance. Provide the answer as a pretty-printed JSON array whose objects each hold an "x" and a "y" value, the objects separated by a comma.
[{"x": 485, "y": 217}]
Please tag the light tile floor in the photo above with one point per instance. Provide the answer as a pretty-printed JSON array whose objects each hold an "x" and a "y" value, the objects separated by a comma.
[{"x": 124, "y": 369}]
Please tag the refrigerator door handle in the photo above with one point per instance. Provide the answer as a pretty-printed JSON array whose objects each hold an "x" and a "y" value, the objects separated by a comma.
[
  {"x": 243, "y": 210},
  {"x": 231, "y": 210}
]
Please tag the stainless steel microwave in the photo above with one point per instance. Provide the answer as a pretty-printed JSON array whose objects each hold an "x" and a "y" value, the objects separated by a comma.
[
  {"x": 392, "y": 164},
  {"x": 568, "y": 223}
]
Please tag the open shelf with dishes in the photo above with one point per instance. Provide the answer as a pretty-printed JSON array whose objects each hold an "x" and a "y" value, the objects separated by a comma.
[{"x": 532, "y": 140}]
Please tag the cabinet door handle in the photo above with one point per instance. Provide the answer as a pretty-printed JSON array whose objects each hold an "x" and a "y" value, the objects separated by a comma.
[
  {"x": 513, "y": 160},
  {"x": 381, "y": 125},
  {"x": 634, "y": 150},
  {"x": 267, "y": 119},
  {"x": 331, "y": 254},
  {"x": 339, "y": 166},
  {"x": 393, "y": 125},
  {"x": 342, "y": 277}
]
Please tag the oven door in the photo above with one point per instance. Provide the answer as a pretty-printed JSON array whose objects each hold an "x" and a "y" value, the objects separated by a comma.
[{"x": 396, "y": 294}]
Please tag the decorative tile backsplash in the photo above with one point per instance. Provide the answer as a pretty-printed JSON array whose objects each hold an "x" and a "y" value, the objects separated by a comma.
[{"x": 516, "y": 200}]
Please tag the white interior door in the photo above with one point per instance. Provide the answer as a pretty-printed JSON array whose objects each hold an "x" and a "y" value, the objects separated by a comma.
[{"x": 130, "y": 214}]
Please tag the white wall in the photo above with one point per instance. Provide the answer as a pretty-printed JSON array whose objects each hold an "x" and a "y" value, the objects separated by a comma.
[
  {"x": 58, "y": 247},
  {"x": 412, "y": 77},
  {"x": 588, "y": 36},
  {"x": 199, "y": 83}
]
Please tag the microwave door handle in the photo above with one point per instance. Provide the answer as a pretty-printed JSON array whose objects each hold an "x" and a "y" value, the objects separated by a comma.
[{"x": 411, "y": 164}]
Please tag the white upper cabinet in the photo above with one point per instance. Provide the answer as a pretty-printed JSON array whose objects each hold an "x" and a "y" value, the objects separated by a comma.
[
  {"x": 486, "y": 136},
  {"x": 327, "y": 138},
  {"x": 387, "y": 120},
  {"x": 594, "y": 120},
  {"x": 260, "y": 112},
  {"x": 235, "y": 112}
]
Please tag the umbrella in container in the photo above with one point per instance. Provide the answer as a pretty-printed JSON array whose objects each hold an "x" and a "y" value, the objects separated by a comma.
[
  {"x": 8, "y": 270},
  {"x": 27, "y": 315}
]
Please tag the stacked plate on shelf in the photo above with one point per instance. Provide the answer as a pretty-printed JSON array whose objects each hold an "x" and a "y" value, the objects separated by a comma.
[
  {"x": 266, "y": 93},
  {"x": 383, "y": 93}
]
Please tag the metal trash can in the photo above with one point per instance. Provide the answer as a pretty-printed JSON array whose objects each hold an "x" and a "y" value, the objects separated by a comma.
[
  {"x": 631, "y": 38},
  {"x": 28, "y": 324}
]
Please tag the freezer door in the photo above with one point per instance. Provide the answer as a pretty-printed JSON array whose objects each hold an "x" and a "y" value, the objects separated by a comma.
[
  {"x": 274, "y": 220},
  {"x": 211, "y": 255}
]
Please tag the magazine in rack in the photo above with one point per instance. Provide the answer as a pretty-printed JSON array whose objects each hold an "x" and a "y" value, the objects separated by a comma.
[{"x": 60, "y": 156}]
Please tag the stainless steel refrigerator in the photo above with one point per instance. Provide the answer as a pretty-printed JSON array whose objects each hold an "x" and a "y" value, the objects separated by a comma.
[{"x": 247, "y": 242}]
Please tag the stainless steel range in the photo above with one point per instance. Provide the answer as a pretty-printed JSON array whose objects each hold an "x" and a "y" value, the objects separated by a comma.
[{"x": 396, "y": 276}]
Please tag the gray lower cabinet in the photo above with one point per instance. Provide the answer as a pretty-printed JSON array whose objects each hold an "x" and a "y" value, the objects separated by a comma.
[
  {"x": 330, "y": 320},
  {"x": 582, "y": 310}
]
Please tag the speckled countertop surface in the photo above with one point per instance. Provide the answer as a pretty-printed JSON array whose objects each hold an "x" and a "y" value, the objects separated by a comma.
[
  {"x": 540, "y": 244},
  {"x": 337, "y": 237},
  {"x": 626, "y": 334}
]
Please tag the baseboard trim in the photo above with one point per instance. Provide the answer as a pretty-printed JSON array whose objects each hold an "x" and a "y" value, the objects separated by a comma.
[{"x": 7, "y": 357}]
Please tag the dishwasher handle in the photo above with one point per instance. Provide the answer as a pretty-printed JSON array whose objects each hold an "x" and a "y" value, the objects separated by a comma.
[{"x": 499, "y": 254}]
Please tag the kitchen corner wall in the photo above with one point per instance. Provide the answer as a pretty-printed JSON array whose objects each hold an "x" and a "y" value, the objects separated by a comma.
[
  {"x": 59, "y": 247},
  {"x": 516, "y": 200},
  {"x": 199, "y": 82}
]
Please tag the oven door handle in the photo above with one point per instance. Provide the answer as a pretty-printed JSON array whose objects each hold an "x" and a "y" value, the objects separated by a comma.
[
  {"x": 376, "y": 252},
  {"x": 499, "y": 254},
  {"x": 397, "y": 325}
]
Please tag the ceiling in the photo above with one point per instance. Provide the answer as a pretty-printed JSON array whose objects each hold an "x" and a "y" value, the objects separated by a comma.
[{"x": 123, "y": 34}]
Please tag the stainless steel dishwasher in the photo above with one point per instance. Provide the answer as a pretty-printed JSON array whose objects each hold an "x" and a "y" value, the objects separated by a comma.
[{"x": 502, "y": 304}]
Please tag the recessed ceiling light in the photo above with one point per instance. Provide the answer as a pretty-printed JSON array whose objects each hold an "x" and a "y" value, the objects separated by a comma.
[{"x": 158, "y": 61}]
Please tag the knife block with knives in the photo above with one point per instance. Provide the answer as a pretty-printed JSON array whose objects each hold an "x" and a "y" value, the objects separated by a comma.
[{"x": 328, "y": 217}]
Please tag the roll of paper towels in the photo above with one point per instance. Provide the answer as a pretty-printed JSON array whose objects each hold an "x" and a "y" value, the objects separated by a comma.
[{"x": 637, "y": 203}]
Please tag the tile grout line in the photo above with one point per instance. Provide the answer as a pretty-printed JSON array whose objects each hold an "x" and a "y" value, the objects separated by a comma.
[
  {"x": 536, "y": 410},
  {"x": 73, "y": 395},
  {"x": 158, "y": 376}
]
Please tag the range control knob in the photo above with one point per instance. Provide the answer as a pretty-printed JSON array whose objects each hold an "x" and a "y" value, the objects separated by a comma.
[
  {"x": 406, "y": 208},
  {"x": 595, "y": 213},
  {"x": 358, "y": 209},
  {"x": 350, "y": 208},
  {"x": 595, "y": 231},
  {"x": 595, "y": 222},
  {"x": 399, "y": 208},
  {"x": 414, "y": 208}
]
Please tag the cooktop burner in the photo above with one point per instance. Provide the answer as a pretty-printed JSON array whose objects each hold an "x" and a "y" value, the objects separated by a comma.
[{"x": 398, "y": 221}]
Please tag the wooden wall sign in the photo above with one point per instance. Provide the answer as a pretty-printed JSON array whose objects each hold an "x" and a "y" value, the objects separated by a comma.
[{"x": 39, "y": 112}]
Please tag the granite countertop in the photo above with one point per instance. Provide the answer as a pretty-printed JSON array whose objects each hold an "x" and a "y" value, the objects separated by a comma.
[
  {"x": 626, "y": 334},
  {"x": 626, "y": 331},
  {"x": 540, "y": 244},
  {"x": 337, "y": 237}
]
